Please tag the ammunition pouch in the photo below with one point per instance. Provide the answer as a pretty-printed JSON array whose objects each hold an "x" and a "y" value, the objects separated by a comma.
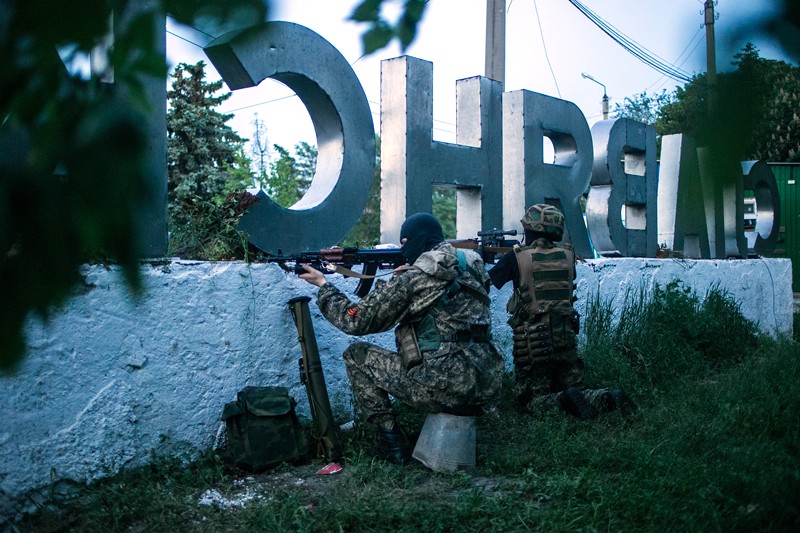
[
  {"x": 562, "y": 328},
  {"x": 407, "y": 346},
  {"x": 531, "y": 342}
]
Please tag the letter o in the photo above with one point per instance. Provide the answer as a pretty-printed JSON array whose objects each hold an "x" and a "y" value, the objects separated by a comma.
[
  {"x": 326, "y": 84},
  {"x": 758, "y": 177}
]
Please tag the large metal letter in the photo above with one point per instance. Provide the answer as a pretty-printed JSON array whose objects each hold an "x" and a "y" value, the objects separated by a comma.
[
  {"x": 723, "y": 196},
  {"x": 412, "y": 162},
  {"x": 623, "y": 178},
  {"x": 758, "y": 177},
  {"x": 528, "y": 118},
  {"x": 335, "y": 100},
  {"x": 153, "y": 230},
  {"x": 681, "y": 221}
]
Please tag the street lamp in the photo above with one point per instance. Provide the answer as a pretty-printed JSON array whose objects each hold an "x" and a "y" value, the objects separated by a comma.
[{"x": 605, "y": 96}]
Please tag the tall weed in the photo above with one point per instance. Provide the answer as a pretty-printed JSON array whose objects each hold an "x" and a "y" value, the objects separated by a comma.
[{"x": 665, "y": 337}]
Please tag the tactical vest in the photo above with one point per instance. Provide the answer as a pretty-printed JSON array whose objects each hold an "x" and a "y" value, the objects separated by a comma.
[
  {"x": 546, "y": 278},
  {"x": 428, "y": 336}
]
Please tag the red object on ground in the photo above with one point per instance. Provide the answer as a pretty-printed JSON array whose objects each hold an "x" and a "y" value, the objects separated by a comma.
[{"x": 332, "y": 468}]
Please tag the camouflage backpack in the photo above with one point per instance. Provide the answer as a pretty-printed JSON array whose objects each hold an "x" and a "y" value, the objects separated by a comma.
[{"x": 262, "y": 429}]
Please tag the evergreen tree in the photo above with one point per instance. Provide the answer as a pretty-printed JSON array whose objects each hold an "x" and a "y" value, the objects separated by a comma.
[
  {"x": 208, "y": 171},
  {"x": 201, "y": 148}
]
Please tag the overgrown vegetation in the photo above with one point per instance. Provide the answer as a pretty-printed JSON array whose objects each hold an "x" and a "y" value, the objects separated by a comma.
[
  {"x": 76, "y": 176},
  {"x": 764, "y": 92},
  {"x": 715, "y": 446}
]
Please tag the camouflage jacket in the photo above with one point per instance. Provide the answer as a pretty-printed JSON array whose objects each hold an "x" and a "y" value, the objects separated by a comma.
[{"x": 410, "y": 295}]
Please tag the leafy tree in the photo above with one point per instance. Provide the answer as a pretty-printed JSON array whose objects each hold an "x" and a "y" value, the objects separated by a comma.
[
  {"x": 282, "y": 183},
  {"x": 208, "y": 170},
  {"x": 74, "y": 172},
  {"x": 367, "y": 231},
  {"x": 381, "y": 32},
  {"x": 755, "y": 114},
  {"x": 642, "y": 107},
  {"x": 776, "y": 91},
  {"x": 306, "y": 163},
  {"x": 289, "y": 177},
  {"x": 444, "y": 209}
]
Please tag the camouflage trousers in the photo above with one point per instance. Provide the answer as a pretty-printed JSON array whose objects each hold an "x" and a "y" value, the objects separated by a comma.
[
  {"x": 445, "y": 382},
  {"x": 538, "y": 383}
]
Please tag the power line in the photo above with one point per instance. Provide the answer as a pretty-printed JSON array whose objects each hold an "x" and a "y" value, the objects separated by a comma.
[
  {"x": 631, "y": 46},
  {"x": 699, "y": 33},
  {"x": 265, "y": 102},
  {"x": 183, "y": 38},
  {"x": 544, "y": 45}
]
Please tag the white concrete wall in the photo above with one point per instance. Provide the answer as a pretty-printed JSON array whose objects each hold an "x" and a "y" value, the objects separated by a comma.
[{"x": 109, "y": 378}]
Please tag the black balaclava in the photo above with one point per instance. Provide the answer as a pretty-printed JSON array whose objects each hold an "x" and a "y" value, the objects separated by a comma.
[
  {"x": 423, "y": 232},
  {"x": 531, "y": 236}
]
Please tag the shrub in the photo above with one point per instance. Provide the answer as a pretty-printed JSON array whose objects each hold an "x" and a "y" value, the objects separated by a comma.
[{"x": 671, "y": 335}]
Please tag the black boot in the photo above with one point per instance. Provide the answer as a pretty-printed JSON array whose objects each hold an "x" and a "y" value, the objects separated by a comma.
[
  {"x": 616, "y": 399},
  {"x": 392, "y": 446},
  {"x": 572, "y": 401}
]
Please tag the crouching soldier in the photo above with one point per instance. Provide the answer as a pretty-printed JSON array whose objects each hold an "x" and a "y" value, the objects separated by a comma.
[
  {"x": 548, "y": 370},
  {"x": 445, "y": 360}
]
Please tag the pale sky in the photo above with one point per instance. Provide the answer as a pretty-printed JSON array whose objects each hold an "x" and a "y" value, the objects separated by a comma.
[{"x": 549, "y": 43}]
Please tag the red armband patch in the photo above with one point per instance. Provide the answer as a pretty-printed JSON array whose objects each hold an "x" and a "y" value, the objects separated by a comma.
[{"x": 353, "y": 311}]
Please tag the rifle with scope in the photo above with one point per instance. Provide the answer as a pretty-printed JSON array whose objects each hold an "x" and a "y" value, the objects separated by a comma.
[{"x": 341, "y": 260}]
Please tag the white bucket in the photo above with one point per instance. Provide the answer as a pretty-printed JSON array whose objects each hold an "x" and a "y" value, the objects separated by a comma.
[{"x": 447, "y": 442}]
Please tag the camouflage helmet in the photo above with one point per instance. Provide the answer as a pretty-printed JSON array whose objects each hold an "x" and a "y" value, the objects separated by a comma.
[{"x": 544, "y": 219}]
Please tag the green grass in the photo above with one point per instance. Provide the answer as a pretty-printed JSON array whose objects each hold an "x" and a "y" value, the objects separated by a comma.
[{"x": 715, "y": 446}]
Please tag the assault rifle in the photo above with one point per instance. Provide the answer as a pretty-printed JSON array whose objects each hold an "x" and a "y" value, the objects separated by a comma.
[{"x": 341, "y": 260}]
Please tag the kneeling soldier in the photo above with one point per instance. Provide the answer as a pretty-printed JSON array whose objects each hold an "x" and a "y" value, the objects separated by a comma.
[
  {"x": 445, "y": 360},
  {"x": 548, "y": 370}
]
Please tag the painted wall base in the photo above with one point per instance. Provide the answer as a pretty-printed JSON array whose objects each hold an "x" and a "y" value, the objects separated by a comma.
[{"x": 108, "y": 378}]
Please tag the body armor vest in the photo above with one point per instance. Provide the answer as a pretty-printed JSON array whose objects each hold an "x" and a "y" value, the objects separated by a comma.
[
  {"x": 546, "y": 277},
  {"x": 541, "y": 305}
]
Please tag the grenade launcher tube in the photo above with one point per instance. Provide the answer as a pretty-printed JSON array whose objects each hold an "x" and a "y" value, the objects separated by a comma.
[{"x": 314, "y": 380}]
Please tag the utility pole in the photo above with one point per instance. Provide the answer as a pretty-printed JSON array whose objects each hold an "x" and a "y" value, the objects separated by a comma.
[
  {"x": 496, "y": 41},
  {"x": 711, "y": 54}
]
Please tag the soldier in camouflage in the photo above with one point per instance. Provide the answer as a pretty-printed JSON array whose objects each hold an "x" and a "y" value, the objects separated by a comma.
[
  {"x": 548, "y": 370},
  {"x": 439, "y": 299}
]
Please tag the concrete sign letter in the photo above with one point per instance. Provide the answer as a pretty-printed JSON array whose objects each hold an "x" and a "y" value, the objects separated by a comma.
[
  {"x": 324, "y": 81},
  {"x": 528, "y": 118},
  {"x": 758, "y": 177},
  {"x": 412, "y": 162},
  {"x": 622, "y": 210},
  {"x": 681, "y": 221},
  {"x": 723, "y": 196}
]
